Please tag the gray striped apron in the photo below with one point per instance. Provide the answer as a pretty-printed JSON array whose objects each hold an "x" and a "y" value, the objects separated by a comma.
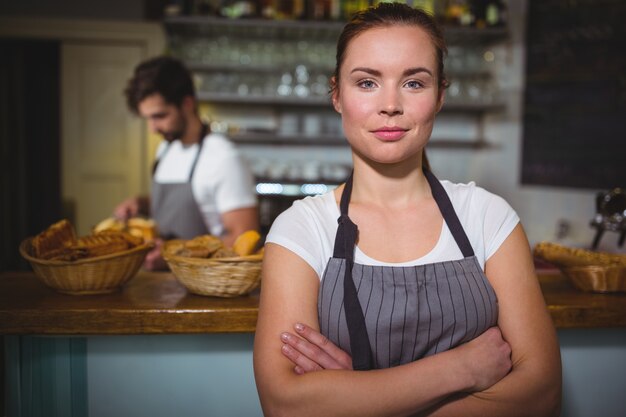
[
  {"x": 385, "y": 316},
  {"x": 173, "y": 205}
]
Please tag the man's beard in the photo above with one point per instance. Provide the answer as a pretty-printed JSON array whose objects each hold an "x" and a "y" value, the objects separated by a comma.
[
  {"x": 171, "y": 136},
  {"x": 176, "y": 133}
]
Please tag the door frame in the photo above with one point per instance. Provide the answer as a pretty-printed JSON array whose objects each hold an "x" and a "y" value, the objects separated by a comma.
[{"x": 148, "y": 35}]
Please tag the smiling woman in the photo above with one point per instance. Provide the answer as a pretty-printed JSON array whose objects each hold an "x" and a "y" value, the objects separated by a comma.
[
  {"x": 394, "y": 100},
  {"x": 430, "y": 305}
]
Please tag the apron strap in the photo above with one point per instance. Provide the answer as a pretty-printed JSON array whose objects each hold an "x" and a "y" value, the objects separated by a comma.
[
  {"x": 156, "y": 161},
  {"x": 203, "y": 132},
  {"x": 345, "y": 242},
  {"x": 449, "y": 215}
]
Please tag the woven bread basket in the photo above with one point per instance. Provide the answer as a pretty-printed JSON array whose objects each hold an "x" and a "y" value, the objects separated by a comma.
[
  {"x": 97, "y": 275},
  {"x": 218, "y": 277},
  {"x": 596, "y": 278}
]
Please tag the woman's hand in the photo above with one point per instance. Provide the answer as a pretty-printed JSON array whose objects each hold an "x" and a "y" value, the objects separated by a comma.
[
  {"x": 487, "y": 359},
  {"x": 311, "y": 351}
]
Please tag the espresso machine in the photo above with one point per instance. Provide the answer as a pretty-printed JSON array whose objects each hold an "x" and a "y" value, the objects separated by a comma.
[{"x": 610, "y": 215}]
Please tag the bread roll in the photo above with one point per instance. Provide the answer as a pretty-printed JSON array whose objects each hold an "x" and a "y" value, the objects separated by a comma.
[{"x": 53, "y": 240}]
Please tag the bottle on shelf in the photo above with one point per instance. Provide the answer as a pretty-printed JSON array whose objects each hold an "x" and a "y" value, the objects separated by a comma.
[
  {"x": 349, "y": 7},
  {"x": 496, "y": 13},
  {"x": 457, "y": 13}
]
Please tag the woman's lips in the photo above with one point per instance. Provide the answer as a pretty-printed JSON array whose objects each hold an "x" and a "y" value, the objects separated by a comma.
[{"x": 389, "y": 133}]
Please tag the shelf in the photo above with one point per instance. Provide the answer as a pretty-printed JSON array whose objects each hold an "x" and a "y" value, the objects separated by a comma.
[
  {"x": 203, "y": 25},
  {"x": 255, "y": 28},
  {"x": 473, "y": 107},
  {"x": 257, "y": 138},
  {"x": 268, "y": 138},
  {"x": 252, "y": 68},
  {"x": 232, "y": 98},
  {"x": 323, "y": 101}
]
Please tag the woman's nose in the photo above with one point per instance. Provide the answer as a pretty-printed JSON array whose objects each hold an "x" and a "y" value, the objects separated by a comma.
[{"x": 391, "y": 104}]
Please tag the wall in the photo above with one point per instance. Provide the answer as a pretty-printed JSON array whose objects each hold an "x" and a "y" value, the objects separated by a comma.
[{"x": 498, "y": 168}]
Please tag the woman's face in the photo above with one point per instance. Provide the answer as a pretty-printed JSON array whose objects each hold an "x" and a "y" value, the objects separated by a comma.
[{"x": 388, "y": 93}]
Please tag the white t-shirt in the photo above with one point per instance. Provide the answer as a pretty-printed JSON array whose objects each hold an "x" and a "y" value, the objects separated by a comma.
[
  {"x": 221, "y": 181},
  {"x": 309, "y": 226}
]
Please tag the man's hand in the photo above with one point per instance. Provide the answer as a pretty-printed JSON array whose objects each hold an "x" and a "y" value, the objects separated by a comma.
[
  {"x": 131, "y": 207},
  {"x": 311, "y": 351},
  {"x": 154, "y": 260}
]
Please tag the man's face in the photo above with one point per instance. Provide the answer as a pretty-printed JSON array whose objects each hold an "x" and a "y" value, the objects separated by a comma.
[{"x": 164, "y": 118}]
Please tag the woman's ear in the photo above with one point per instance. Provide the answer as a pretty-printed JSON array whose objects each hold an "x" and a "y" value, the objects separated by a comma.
[{"x": 334, "y": 95}]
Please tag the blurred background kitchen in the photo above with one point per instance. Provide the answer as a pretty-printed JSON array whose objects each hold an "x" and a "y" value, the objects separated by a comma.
[{"x": 535, "y": 110}]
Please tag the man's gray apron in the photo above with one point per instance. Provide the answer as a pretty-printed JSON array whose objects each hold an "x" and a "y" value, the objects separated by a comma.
[
  {"x": 387, "y": 316},
  {"x": 173, "y": 205}
]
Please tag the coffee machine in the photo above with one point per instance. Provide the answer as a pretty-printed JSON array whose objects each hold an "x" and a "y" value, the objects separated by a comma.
[{"x": 610, "y": 215}]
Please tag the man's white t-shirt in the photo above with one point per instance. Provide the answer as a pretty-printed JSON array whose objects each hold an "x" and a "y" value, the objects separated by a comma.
[
  {"x": 221, "y": 181},
  {"x": 309, "y": 226}
]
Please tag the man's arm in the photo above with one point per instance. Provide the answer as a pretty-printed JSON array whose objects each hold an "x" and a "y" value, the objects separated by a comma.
[{"x": 238, "y": 221}]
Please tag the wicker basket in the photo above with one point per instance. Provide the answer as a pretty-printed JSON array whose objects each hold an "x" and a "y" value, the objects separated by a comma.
[
  {"x": 219, "y": 277},
  {"x": 597, "y": 278},
  {"x": 98, "y": 275}
]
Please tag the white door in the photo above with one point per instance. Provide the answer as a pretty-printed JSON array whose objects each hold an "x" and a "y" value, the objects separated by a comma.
[{"x": 104, "y": 146}]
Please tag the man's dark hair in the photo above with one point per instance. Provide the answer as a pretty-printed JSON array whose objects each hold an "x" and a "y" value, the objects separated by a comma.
[{"x": 163, "y": 75}]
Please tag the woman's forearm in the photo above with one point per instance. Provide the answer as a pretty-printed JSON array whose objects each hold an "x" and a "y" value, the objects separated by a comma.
[
  {"x": 399, "y": 391},
  {"x": 524, "y": 392}
]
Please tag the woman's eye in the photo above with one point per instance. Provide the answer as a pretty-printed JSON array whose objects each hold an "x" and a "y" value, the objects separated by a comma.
[
  {"x": 413, "y": 84},
  {"x": 367, "y": 84}
]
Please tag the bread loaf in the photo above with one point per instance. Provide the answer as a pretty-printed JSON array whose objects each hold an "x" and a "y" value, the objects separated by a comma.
[
  {"x": 565, "y": 256},
  {"x": 53, "y": 240}
]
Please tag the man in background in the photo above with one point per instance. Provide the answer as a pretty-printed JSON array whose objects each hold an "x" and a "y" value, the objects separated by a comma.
[{"x": 200, "y": 183}]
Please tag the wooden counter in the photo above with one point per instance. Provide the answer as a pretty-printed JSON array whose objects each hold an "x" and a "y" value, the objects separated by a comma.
[
  {"x": 150, "y": 303},
  {"x": 155, "y": 303}
]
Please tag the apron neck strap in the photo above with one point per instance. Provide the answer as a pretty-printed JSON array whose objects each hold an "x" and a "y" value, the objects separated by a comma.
[
  {"x": 203, "y": 132},
  {"x": 345, "y": 243},
  {"x": 449, "y": 215}
]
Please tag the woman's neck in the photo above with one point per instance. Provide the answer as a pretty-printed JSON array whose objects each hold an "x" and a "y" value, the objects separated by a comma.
[{"x": 385, "y": 185}]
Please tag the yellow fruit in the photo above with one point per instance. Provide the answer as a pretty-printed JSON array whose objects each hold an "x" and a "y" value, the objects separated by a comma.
[{"x": 246, "y": 243}]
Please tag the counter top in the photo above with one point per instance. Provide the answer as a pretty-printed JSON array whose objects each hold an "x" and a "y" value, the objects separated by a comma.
[
  {"x": 150, "y": 303},
  {"x": 155, "y": 303}
]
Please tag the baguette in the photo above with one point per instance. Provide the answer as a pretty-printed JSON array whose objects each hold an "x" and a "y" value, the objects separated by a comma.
[{"x": 565, "y": 256}]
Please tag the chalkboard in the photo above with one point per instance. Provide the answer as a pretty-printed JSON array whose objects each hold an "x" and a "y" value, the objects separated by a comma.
[{"x": 575, "y": 98}]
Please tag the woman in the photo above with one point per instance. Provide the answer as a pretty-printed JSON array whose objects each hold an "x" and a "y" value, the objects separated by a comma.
[{"x": 433, "y": 292}]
